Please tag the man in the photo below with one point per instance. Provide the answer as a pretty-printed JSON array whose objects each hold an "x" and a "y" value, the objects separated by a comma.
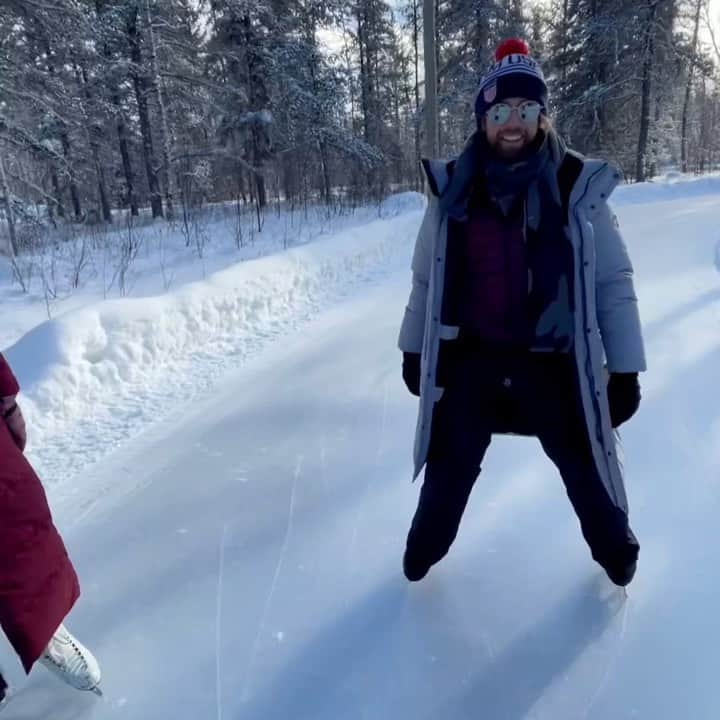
[
  {"x": 38, "y": 584},
  {"x": 522, "y": 303}
]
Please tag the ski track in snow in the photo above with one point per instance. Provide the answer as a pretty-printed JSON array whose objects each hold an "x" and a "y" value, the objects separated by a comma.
[
  {"x": 273, "y": 585},
  {"x": 383, "y": 423},
  {"x": 218, "y": 621},
  {"x": 359, "y": 513},
  {"x": 612, "y": 660}
]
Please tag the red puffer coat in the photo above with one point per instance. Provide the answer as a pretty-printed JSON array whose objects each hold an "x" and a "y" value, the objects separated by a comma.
[{"x": 38, "y": 584}]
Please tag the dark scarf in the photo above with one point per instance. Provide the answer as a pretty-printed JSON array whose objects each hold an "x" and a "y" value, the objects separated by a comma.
[
  {"x": 512, "y": 178},
  {"x": 550, "y": 254}
]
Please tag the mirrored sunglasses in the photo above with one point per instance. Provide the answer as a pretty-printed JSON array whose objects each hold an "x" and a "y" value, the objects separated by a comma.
[{"x": 528, "y": 112}]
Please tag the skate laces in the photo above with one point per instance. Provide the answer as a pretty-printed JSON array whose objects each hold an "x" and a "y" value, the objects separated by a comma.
[{"x": 63, "y": 652}]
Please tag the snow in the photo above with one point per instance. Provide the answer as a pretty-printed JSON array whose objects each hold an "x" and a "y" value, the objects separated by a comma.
[
  {"x": 101, "y": 373},
  {"x": 671, "y": 186},
  {"x": 167, "y": 255},
  {"x": 240, "y": 556}
]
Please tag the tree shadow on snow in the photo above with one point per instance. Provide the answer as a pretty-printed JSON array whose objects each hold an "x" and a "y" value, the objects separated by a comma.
[
  {"x": 330, "y": 677},
  {"x": 514, "y": 680},
  {"x": 657, "y": 326},
  {"x": 394, "y": 654},
  {"x": 47, "y": 697}
]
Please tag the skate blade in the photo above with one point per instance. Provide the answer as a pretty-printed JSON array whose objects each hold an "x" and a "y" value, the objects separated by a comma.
[{"x": 96, "y": 691}]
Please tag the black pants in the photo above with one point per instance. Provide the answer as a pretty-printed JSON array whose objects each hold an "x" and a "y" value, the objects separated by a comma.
[{"x": 534, "y": 394}]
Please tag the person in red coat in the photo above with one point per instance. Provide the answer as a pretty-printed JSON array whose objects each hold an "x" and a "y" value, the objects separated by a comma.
[{"x": 38, "y": 583}]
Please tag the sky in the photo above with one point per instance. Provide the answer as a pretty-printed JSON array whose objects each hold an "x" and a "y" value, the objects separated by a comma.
[
  {"x": 333, "y": 39},
  {"x": 714, "y": 12}
]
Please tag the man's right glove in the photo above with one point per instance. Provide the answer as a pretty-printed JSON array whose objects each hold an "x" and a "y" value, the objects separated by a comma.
[
  {"x": 623, "y": 392},
  {"x": 411, "y": 372}
]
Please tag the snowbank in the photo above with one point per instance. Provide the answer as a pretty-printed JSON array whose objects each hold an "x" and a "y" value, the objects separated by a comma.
[
  {"x": 102, "y": 371},
  {"x": 80, "y": 266},
  {"x": 99, "y": 374},
  {"x": 673, "y": 186}
]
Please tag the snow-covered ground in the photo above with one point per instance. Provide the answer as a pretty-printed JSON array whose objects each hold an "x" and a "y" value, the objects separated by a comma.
[
  {"x": 240, "y": 547},
  {"x": 165, "y": 256},
  {"x": 100, "y": 371}
]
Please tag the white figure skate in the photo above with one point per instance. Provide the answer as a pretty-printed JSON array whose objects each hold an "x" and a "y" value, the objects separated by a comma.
[{"x": 72, "y": 662}]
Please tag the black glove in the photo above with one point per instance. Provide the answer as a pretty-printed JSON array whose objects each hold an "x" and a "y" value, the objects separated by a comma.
[
  {"x": 623, "y": 393},
  {"x": 411, "y": 372}
]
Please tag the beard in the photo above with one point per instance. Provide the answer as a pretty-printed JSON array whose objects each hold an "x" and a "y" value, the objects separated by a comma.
[
  {"x": 511, "y": 144},
  {"x": 527, "y": 141}
]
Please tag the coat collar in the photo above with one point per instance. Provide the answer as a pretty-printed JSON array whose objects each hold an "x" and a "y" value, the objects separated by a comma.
[
  {"x": 448, "y": 179},
  {"x": 595, "y": 184}
]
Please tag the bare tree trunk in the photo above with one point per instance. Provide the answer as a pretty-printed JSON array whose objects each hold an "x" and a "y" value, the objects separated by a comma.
[
  {"x": 288, "y": 179},
  {"x": 564, "y": 53},
  {"x": 125, "y": 155},
  {"x": 325, "y": 172},
  {"x": 703, "y": 140},
  {"x": 259, "y": 177},
  {"x": 653, "y": 167},
  {"x": 349, "y": 63},
  {"x": 57, "y": 191},
  {"x": 64, "y": 138},
  {"x": 7, "y": 203},
  {"x": 102, "y": 189},
  {"x": 322, "y": 145},
  {"x": 141, "y": 94},
  {"x": 416, "y": 60},
  {"x": 600, "y": 74},
  {"x": 156, "y": 85},
  {"x": 432, "y": 137},
  {"x": 649, "y": 52},
  {"x": 75, "y": 196},
  {"x": 714, "y": 131},
  {"x": 121, "y": 127},
  {"x": 258, "y": 99},
  {"x": 92, "y": 133},
  {"x": 688, "y": 89},
  {"x": 438, "y": 64},
  {"x": 396, "y": 114},
  {"x": 241, "y": 185},
  {"x": 364, "y": 89},
  {"x": 239, "y": 174}
]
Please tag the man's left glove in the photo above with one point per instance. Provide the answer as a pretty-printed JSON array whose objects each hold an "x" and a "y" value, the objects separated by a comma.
[
  {"x": 623, "y": 392},
  {"x": 13, "y": 417},
  {"x": 411, "y": 372}
]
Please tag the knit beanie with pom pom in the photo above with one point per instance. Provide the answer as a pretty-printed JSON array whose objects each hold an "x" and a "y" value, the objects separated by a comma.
[{"x": 513, "y": 74}]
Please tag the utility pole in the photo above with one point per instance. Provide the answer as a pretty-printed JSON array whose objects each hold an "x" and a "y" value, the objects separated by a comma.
[{"x": 432, "y": 137}]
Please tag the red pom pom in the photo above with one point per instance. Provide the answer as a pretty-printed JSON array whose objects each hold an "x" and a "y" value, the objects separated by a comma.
[{"x": 513, "y": 46}]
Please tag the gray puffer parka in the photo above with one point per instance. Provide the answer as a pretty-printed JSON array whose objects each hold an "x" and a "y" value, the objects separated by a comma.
[{"x": 608, "y": 336}]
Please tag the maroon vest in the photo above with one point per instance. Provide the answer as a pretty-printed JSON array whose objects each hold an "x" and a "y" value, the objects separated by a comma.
[{"x": 490, "y": 279}]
